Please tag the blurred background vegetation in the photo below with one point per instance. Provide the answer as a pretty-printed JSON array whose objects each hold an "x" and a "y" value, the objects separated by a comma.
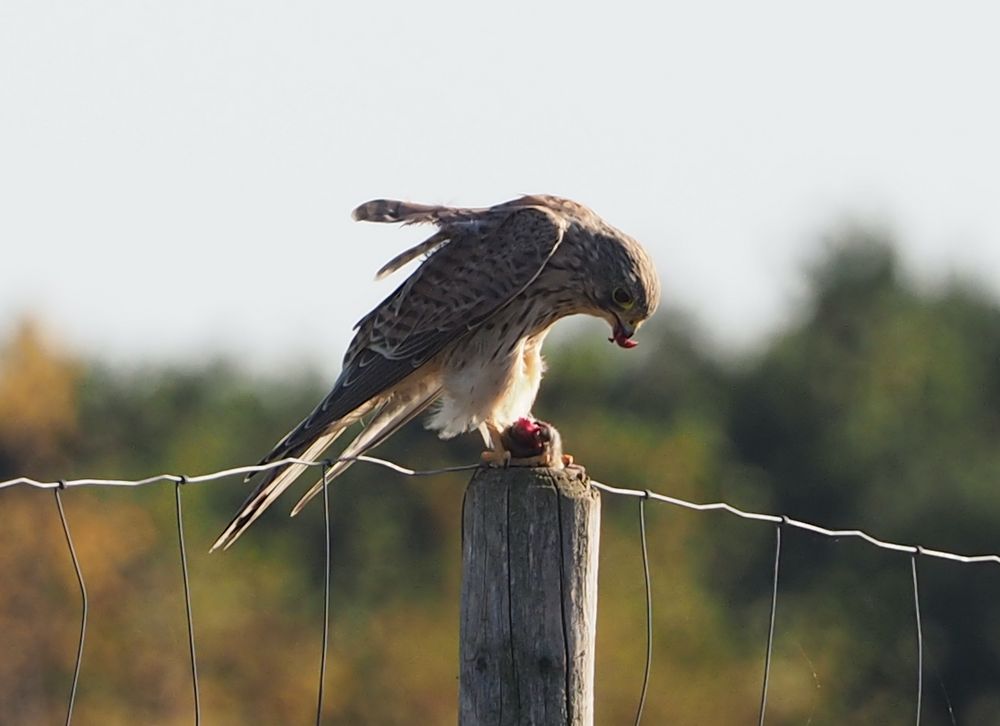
[{"x": 877, "y": 406}]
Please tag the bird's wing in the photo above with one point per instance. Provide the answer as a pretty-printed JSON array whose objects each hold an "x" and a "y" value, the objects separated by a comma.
[
  {"x": 392, "y": 211},
  {"x": 454, "y": 291},
  {"x": 461, "y": 285},
  {"x": 447, "y": 218},
  {"x": 485, "y": 265},
  {"x": 424, "y": 248}
]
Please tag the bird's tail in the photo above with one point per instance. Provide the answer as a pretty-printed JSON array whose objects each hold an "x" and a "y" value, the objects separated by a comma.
[
  {"x": 275, "y": 482},
  {"x": 393, "y": 416}
]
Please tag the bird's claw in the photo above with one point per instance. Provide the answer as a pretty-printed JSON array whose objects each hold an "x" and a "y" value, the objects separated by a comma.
[
  {"x": 544, "y": 459},
  {"x": 498, "y": 458},
  {"x": 504, "y": 460},
  {"x": 528, "y": 443}
]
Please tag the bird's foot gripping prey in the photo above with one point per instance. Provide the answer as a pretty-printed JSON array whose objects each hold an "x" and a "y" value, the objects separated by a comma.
[
  {"x": 464, "y": 331},
  {"x": 528, "y": 442}
]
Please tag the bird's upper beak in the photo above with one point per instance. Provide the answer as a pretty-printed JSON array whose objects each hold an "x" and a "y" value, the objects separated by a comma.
[{"x": 622, "y": 334}]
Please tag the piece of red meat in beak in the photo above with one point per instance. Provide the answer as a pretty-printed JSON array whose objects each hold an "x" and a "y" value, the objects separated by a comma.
[{"x": 622, "y": 335}]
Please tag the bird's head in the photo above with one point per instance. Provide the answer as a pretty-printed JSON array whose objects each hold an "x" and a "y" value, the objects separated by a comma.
[{"x": 626, "y": 289}]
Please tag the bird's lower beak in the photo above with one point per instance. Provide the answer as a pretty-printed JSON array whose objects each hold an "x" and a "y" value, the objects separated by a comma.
[{"x": 622, "y": 335}]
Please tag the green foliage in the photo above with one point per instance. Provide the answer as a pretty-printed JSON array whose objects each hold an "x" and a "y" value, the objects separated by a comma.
[{"x": 878, "y": 408}]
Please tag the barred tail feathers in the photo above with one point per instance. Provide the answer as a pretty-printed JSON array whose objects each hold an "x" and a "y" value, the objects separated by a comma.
[
  {"x": 272, "y": 486},
  {"x": 390, "y": 419}
]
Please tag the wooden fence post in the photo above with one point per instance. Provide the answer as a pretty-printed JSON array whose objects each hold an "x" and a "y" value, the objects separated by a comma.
[{"x": 530, "y": 541}]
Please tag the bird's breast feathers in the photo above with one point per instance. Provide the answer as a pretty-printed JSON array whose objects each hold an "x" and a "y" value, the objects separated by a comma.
[{"x": 491, "y": 379}]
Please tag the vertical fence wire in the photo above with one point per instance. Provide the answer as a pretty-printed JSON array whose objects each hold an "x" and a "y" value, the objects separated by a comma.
[
  {"x": 649, "y": 610},
  {"x": 770, "y": 626},
  {"x": 326, "y": 596},
  {"x": 947, "y": 700},
  {"x": 187, "y": 598},
  {"x": 85, "y": 606},
  {"x": 643, "y": 496},
  {"x": 920, "y": 636}
]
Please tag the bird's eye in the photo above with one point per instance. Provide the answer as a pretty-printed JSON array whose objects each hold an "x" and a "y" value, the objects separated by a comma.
[{"x": 622, "y": 298}]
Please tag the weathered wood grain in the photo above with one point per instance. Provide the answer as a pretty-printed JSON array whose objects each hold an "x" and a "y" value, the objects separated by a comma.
[{"x": 530, "y": 541}]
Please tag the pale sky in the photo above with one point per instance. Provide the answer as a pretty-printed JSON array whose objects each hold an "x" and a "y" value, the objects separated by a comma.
[{"x": 176, "y": 177}]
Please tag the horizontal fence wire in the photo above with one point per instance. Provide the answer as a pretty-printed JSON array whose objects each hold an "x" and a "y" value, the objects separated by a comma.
[
  {"x": 643, "y": 495},
  {"x": 176, "y": 478},
  {"x": 814, "y": 528}
]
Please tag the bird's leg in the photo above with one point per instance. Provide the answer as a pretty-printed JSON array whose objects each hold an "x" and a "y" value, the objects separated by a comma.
[{"x": 496, "y": 454}]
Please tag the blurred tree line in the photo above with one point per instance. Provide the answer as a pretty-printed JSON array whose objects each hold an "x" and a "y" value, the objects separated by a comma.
[{"x": 877, "y": 406}]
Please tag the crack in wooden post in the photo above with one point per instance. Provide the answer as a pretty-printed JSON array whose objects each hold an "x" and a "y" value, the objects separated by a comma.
[{"x": 530, "y": 542}]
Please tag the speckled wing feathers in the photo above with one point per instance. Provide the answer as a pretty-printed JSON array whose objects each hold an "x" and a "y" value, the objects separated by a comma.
[
  {"x": 454, "y": 291},
  {"x": 462, "y": 284}
]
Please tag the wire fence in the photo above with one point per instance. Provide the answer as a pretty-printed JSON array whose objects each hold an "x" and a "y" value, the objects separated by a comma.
[{"x": 643, "y": 496}]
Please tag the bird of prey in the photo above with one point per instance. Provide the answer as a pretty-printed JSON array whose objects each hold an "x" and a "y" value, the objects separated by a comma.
[{"x": 465, "y": 330}]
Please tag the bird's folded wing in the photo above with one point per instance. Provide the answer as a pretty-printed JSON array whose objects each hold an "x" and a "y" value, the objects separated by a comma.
[{"x": 455, "y": 290}]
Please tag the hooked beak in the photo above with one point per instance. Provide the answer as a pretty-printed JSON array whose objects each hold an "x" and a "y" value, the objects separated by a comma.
[{"x": 622, "y": 334}]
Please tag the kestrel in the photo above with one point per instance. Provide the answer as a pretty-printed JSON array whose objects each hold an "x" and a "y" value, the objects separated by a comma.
[{"x": 465, "y": 330}]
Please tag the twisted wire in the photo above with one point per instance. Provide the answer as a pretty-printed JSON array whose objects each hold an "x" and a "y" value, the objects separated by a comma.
[
  {"x": 721, "y": 506},
  {"x": 799, "y": 524}
]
